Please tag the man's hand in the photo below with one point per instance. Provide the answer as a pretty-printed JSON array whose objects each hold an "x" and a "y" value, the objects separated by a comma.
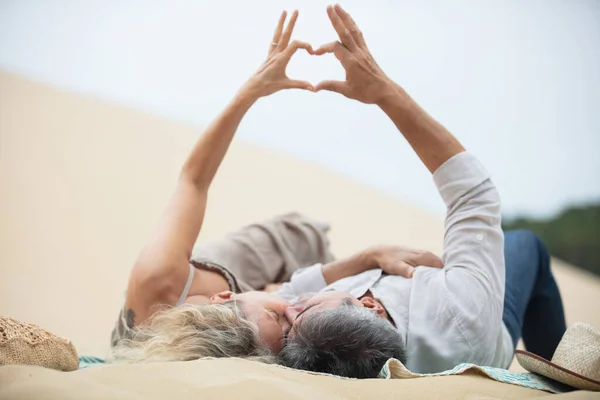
[
  {"x": 365, "y": 81},
  {"x": 398, "y": 260}
]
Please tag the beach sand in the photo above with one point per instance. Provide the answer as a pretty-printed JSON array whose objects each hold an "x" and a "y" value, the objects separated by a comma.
[{"x": 84, "y": 181}]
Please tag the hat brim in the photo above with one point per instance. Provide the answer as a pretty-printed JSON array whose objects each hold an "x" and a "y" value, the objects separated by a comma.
[{"x": 539, "y": 365}]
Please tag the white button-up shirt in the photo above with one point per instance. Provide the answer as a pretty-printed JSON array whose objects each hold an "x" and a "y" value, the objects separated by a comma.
[{"x": 452, "y": 315}]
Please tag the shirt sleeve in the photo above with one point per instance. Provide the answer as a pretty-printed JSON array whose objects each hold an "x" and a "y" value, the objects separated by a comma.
[
  {"x": 473, "y": 255},
  {"x": 304, "y": 280}
]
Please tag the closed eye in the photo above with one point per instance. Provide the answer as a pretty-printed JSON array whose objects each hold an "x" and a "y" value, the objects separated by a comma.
[{"x": 305, "y": 310}]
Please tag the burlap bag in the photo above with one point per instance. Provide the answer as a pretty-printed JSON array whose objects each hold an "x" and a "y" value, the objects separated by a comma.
[{"x": 23, "y": 343}]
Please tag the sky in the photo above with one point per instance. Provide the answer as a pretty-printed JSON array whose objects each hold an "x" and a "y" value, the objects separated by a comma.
[{"x": 518, "y": 82}]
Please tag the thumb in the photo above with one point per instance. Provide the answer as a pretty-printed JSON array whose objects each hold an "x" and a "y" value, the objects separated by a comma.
[
  {"x": 407, "y": 270},
  {"x": 295, "y": 84},
  {"x": 340, "y": 87},
  {"x": 403, "y": 268}
]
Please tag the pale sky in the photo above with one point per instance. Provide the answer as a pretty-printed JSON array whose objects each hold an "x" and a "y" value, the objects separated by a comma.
[{"x": 518, "y": 82}]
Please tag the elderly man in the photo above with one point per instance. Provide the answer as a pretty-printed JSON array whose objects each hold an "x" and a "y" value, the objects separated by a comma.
[{"x": 438, "y": 318}]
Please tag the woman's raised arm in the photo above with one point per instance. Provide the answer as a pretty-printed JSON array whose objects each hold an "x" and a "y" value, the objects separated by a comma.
[{"x": 161, "y": 269}]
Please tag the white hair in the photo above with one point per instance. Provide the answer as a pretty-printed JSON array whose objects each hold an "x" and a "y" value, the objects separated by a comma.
[{"x": 189, "y": 332}]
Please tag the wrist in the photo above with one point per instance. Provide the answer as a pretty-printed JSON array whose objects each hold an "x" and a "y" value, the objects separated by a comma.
[
  {"x": 249, "y": 93},
  {"x": 363, "y": 261},
  {"x": 392, "y": 95},
  {"x": 371, "y": 257},
  {"x": 354, "y": 265}
]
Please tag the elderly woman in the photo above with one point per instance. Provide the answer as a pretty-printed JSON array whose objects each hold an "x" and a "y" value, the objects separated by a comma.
[{"x": 206, "y": 320}]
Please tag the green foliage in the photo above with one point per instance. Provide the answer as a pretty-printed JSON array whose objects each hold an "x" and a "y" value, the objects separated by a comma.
[{"x": 573, "y": 235}]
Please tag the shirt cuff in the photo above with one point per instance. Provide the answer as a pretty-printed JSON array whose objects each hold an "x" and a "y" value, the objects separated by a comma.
[
  {"x": 458, "y": 175},
  {"x": 309, "y": 279}
]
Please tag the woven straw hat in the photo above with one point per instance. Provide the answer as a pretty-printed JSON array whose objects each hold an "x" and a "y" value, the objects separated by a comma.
[
  {"x": 576, "y": 361},
  {"x": 23, "y": 343}
]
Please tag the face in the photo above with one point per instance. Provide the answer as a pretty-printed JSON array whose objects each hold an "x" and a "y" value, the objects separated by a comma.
[
  {"x": 316, "y": 302},
  {"x": 267, "y": 311}
]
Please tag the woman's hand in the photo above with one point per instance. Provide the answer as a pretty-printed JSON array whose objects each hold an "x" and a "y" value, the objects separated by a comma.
[
  {"x": 393, "y": 260},
  {"x": 271, "y": 78}
]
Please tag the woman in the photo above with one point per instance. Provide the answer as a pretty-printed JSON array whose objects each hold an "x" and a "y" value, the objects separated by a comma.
[
  {"x": 210, "y": 317},
  {"x": 215, "y": 310}
]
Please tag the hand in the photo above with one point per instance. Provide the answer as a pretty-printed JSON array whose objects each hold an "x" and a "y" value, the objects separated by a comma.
[
  {"x": 365, "y": 81},
  {"x": 398, "y": 260},
  {"x": 271, "y": 77}
]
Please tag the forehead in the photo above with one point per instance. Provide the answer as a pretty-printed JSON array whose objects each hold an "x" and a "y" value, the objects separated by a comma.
[
  {"x": 313, "y": 308},
  {"x": 318, "y": 303},
  {"x": 270, "y": 333},
  {"x": 263, "y": 319}
]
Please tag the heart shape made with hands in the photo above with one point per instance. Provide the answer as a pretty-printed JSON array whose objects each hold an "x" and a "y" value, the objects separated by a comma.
[
  {"x": 314, "y": 69},
  {"x": 365, "y": 81}
]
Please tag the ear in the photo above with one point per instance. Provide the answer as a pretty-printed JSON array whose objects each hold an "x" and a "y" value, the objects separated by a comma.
[
  {"x": 374, "y": 305},
  {"x": 222, "y": 297}
]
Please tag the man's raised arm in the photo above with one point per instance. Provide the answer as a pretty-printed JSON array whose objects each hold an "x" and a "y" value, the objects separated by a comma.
[
  {"x": 366, "y": 82},
  {"x": 473, "y": 284}
]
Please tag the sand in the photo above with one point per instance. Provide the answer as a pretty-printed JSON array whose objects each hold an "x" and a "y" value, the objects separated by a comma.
[
  {"x": 240, "y": 379},
  {"x": 84, "y": 181}
]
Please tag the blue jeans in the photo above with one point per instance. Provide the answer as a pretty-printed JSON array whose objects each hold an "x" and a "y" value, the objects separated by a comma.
[{"x": 533, "y": 307}]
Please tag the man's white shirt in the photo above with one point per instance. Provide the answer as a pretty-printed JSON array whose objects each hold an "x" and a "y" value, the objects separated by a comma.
[{"x": 445, "y": 316}]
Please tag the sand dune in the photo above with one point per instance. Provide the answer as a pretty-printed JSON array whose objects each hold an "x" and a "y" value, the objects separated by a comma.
[{"x": 83, "y": 182}]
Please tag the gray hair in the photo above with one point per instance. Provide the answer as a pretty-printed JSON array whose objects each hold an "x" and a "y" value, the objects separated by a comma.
[
  {"x": 347, "y": 341},
  {"x": 189, "y": 332}
]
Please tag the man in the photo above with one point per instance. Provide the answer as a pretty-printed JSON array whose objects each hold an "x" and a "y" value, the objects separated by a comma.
[{"x": 442, "y": 317}]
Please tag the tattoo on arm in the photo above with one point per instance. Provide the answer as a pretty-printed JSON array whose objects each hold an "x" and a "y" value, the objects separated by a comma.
[{"x": 130, "y": 318}]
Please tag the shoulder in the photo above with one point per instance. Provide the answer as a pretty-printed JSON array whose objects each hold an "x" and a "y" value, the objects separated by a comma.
[{"x": 150, "y": 288}]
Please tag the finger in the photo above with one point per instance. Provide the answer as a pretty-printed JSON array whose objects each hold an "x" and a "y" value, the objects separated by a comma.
[
  {"x": 340, "y": 87},
  {"x": 427, "y": 259},
  {"x": 328, "y": 48},
  {"x": 338, "y": 49},
  {"x": 405, "y": 269},
  {"x": 341, "y": 29},
  {"x": 294, "y": 46},
  {"x": 351, "y": 25},
  {"x": 287, "y": 34},
  {"x": 278, "y": 30},
  {"x": 294, "y": 84}
]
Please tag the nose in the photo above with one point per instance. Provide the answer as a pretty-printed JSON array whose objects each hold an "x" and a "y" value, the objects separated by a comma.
[{"x": 292, "y": 312}]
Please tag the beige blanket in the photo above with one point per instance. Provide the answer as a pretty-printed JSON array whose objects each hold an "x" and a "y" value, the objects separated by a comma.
[{"x": 240, "y": 379}]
